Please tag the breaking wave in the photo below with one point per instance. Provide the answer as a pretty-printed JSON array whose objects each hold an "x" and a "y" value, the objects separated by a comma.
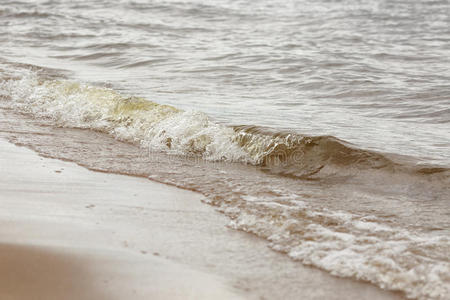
[{"x": 158, "y": 127}]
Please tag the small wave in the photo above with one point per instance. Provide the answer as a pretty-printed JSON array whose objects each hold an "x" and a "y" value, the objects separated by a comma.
[
  {"x": 26, "y": 14},
  {"x": 153, "y": 126},
  {"x": 120, "y": 46},
  {"x": 166, "y": 128},
  {"x": 143, "y": 63},
  {"x": 95, "y": 56},
  {"x": 33, "y": 34},
  {"x": 304, "y": 156}
]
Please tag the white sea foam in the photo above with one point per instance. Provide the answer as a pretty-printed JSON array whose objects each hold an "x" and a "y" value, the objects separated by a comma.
[
  {"x": 349, "y": 245},
  {"x": 153, "y": 126}
]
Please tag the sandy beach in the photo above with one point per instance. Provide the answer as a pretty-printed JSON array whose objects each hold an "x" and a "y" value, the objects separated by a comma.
[
  {"x": 58, "y": 240},
  {"x": 67, "y": 232}
]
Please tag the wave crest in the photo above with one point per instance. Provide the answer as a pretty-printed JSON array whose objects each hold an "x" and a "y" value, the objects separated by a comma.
[{"x": 158, "y": 127}]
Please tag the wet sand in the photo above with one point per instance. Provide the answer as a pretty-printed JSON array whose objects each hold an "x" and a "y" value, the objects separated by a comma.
[
  {"x": 42, "y": 272},
  {"x": 67, "y": 232}
]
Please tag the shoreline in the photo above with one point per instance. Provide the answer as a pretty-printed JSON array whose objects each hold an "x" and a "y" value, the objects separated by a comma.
[
  {"x": 147, "y": 238},
  {"x": 54, "y": 248}
]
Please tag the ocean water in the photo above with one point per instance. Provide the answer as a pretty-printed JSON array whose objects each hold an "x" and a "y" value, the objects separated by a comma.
[{"x": 321, "y": 126}]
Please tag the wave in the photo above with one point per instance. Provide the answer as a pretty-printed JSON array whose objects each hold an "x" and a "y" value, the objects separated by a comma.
[
  {"x": 6, "y": 13},
  {"x": 305, "y": 156},
  {"x": 133, "y": 119},
  {"x": 158, "y": 127}
]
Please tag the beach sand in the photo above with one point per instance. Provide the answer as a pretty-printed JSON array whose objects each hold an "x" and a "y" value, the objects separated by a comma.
[{"x": 70, "y": 233}]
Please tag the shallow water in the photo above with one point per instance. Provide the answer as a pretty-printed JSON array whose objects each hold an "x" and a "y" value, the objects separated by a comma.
[{"x": 320, "y": 126}]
